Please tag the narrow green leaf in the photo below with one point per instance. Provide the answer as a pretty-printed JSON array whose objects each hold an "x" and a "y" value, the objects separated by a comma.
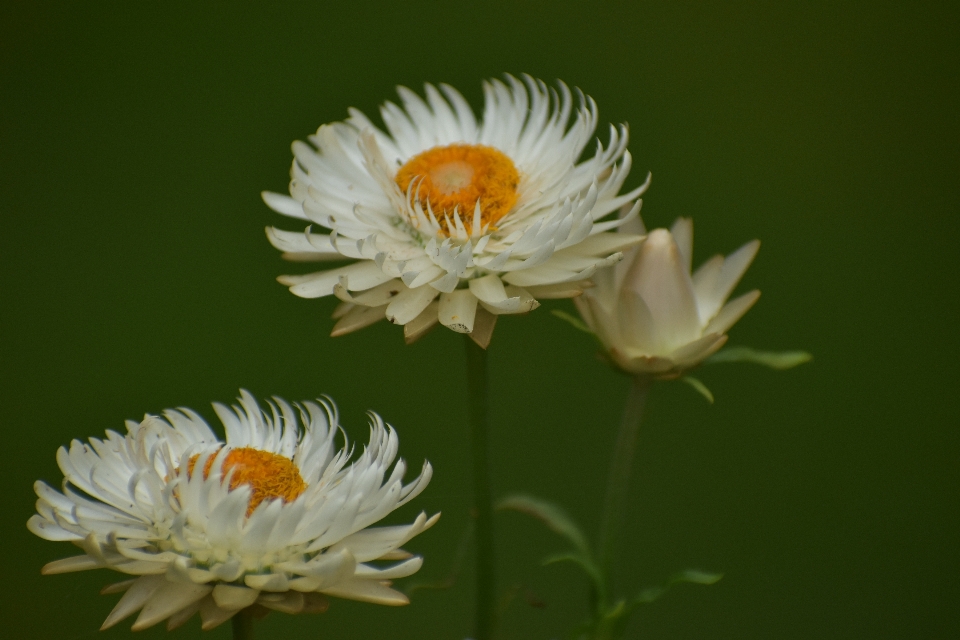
[
  {"x": 694, "y": 576},
  {"x": 649, "y": 594},
  {"x": 573, "y": 320},
  {"x": 552, "y": 515},
  {"x": 779, "y": 360},
  {"x": 584, "y": 562},
  {"x": 700, "y": 387}
]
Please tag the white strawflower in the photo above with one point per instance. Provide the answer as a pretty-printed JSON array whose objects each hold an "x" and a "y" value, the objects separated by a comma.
[
  {"x": 452, "y": 220},
  {"x": 278, "y": 516},
  {"x": 654, "y": 317}
]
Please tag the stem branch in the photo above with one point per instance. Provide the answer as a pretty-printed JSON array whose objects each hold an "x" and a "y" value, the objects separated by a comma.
[
  {"x": 482, "y": 502},
  {"x": 618, "y": 482},
  {"x": 242, "y": 623}
]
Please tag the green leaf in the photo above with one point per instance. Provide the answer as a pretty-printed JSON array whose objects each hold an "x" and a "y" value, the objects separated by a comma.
[
  {"x": 649, "y": 594},
  {"x": 779, "y": 360},
  {"x": 584, "y": 562},
  {"x": 700, "y": 387},
  {"x": 552, "y": 515},
  {"x": 694, "y": 576},
  {"x": 573, "y": 320}
]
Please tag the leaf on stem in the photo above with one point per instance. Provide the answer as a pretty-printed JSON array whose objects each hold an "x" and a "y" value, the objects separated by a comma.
[
  {"x": 552, "y": 515},
  {"x": 573, "y": 320},
  {"x": 584, "y": 562},
  {"x": 779, "y": 360},
  {"x": 558, "y": 521},
  {"x": 694, "y": 576},
  {"x": 700, "y": 387}
]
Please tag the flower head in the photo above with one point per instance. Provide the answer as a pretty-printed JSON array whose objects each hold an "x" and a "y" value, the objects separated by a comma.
[
  {"x": 276, "y": 516},
  {"x": 454, "y": 220},
  {"x": 655, "y": 318}
]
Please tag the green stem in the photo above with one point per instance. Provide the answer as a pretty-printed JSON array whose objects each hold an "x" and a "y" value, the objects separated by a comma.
[
  {"x": 618, "y": 482},
  {"x": 243, "y": 625},
  {"x": 482, "y": 502}
]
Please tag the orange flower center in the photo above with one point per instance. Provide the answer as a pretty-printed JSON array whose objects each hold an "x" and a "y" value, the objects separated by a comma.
[
  {"x": 455, "y": 177},
  {"x": 268, "y": 474}
]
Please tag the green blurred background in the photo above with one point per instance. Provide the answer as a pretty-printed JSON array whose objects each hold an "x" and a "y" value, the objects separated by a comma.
[{"x": 136, "y": 276}]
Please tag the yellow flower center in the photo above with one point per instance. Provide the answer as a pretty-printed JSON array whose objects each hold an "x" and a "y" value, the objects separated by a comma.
[
  {"x": 455, "y": 177},
  {"x": 268, "y": 474}
]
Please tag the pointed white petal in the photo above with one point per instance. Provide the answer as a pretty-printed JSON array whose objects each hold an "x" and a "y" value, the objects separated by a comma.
[
  {"x": 67, "y": 565},
  {"x": 732, "y": 312},
  {"x": 682, "y": 231},
  {"x": 212, "y": 616},
  {"x": 133, "y": 600},
  {"x": 170, "y": 598},
  {"x": 360, "y": 277},
  {"x": 697, "y": 351},
  {"x": 283, "y": 204},
  {"x": 368, "y": 591},
  {"x": 358, "y": 318},
  {"x": 559, "y": 291},
  {"x": 401, "y": 570}
]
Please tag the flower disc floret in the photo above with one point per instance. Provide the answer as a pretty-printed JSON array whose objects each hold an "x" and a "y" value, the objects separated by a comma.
[
  {"x": 269, "y": 476},
  {"x": 453, "y": 180}
]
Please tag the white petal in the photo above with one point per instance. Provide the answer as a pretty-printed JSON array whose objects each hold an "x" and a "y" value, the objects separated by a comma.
[
  {"x": 212, "y": 616},
  {"x": 267, "y": 582},
  {"x": 181, "y": 617},
  {"x": 409, "y": 304},
  {"x": 303, "y": 246},
  {"x": 416, "y": 328},
  {"x": 283, "y": 204},
  {"x": 368, "y": 591},
  {"x": 732, "y": 269},
  {"x": 401, "y": 570},
  {"x": 559, "y": 291},
  {"x": 378, "y": 296},
  {"x": 682, "y": 231},
  {"x": 659, "y": 276},
  {"x": 370, "y": 544},
  {"x": 286, "y": 602},
  {"x": 232, "y": 597},
  {"x": 170, "y": 598},
  {"x": 133, "y": 600},
  {"x": 697, "y": 351},
  {"x": 483, "y": 324},
  {"x": 67, "y": 565},
  {"x": 457, "y": 310},
  {"x": 360, "y": 276},
  {"x": 732, "y": 312},
  {"x": 358, "y": 318},
  {"x": 637, "y": 327}
]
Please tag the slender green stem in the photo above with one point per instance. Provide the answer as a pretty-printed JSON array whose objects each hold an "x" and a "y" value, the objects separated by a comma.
[
  {"x": 485, "y": 623},
  {"x": 618, "y": 482},
  {"x": 243, "y": 625}
]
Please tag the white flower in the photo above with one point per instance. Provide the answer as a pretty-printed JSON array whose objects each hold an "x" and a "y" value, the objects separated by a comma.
[
  {"x": 277, "y": 517},
  {"x": 654, "y": 317},
  {"x": 454, "y": 220}
]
